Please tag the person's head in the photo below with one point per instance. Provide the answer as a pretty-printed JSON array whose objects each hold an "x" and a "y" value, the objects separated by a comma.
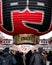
[
  {"x": 1, "y": 53},
  {"x": 50, "y": 52},
  {"x": 14, "y": 52},
  {"x": 34, "y": 50},
  {"x": 40, "y": 49},
  {"x": 6, "y": 49},
  {"x": 44, "y": 52},
  {"x": 21, "y": 53}
]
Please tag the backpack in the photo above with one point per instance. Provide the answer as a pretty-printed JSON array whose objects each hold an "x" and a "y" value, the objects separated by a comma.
[{"x": 6, "y": 60}]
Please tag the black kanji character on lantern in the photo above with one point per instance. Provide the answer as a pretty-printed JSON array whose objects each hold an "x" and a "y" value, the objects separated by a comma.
[{"x": 20, "y": 5}]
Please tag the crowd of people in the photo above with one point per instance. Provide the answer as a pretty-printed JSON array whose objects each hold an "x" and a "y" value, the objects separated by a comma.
[{"x": 37, "y": 57}]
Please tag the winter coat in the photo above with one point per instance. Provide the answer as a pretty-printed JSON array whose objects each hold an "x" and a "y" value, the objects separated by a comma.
[
  {"x": 10, "y": 59},
  {"x": 37, "y": 59},
  {"x": 1, "y": 60}
]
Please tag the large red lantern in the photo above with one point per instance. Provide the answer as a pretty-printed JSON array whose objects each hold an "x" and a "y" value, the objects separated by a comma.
[{"x": 25, "y": 16}]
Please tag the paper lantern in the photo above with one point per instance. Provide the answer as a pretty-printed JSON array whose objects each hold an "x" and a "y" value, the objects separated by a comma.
[{"x": 25, "y": 16}]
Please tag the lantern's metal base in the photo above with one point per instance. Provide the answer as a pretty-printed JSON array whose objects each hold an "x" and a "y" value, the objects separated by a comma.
[{"x": 26, "y": 39}]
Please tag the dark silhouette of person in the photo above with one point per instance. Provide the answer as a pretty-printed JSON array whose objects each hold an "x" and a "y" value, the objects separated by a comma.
[
  {"x": 19, "y": 58},
  {"x": 49, "y": 57},
  {"x": 28, "y": 56}
]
